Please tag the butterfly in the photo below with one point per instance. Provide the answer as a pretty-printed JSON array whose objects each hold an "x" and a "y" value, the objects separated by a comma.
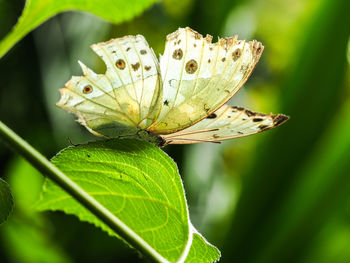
[{"x": 178, "y": 100}]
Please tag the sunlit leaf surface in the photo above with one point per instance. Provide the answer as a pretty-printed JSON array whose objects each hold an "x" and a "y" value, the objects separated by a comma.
[
  {"x": 138, "y": 183},
  {"x": 292, "y": 188},
  {"x": 201, "y": 251},
  {"x": 37, "y": 11}
]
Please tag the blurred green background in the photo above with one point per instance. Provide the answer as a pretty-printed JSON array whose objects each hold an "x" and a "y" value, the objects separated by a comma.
[{"x": 279, "y": 196}]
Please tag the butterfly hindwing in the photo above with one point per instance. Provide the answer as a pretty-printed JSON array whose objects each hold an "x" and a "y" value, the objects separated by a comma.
[
  {"x": 226, "y": 123},
  {"x": 125, "y": 98},
  {"x": 199, "y": 76}
]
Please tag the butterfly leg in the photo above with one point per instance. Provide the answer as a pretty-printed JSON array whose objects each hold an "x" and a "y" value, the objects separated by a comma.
[{"x": 75, "y": 144}]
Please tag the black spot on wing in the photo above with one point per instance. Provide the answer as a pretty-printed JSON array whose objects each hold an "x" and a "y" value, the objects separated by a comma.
[
  {"x": 212, "y": 116},
  {"x": 250, "y": 113},
  {"x": 263, "y": 127},
  {"x": 236, "y": 54},
  {"x": 120, "y": 64},
  {"x": 191, "y": 66},
  {"x": 279, "y": 119},
  {"x": 178, "y": 54},
  {"x": 257, "y": 119},
  {"x": 135, "y": 66},
  {"x": 237, "y": 108},
  {"x": 87, "y": 89}
]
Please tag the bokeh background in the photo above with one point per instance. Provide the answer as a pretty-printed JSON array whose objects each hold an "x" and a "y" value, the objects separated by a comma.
[{"x": 279, "y": 196}]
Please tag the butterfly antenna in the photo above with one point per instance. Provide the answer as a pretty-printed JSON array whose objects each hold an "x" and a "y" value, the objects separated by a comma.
[
  {"x": 75, "y": 144},
  {"x": 124, "y": 136}
]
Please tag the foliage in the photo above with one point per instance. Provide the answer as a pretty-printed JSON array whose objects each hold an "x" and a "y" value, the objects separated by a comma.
[
  {"x": 282, "y": 196},
  {"x": 312, "y": 95},
  {"x": 25, "y": 235},
  {"x": 159, "y": 204},
  {"x": 138, "y": 183},
  {"x": 37, "y": 11},
  {"x": 6, "y": 201}
]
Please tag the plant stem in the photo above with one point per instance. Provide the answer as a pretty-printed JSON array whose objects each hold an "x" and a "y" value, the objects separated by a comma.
[{"x": 47, "y": 168}]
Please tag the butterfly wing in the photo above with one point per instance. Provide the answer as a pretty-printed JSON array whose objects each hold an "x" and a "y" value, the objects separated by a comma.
[
  {"x": 226, "y": 123},
  {"x": 199, "y": 76},
  {"x": 123, "y": 99}
]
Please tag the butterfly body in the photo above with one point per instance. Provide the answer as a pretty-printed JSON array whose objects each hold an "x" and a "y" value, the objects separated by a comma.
[
  {"x": 171, "y": 101},
  {"x": 151, "y": 138}
]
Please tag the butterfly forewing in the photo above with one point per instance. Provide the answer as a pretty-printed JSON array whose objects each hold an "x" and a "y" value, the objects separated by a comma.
[
  {"x": 125, "y": 98},
  {"x": 179, "y": 100},
  {"x": 199, "y": 76},
  {"x": 226, "y": 123}
]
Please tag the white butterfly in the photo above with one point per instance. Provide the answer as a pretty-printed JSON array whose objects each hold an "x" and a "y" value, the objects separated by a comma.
[{"x": 179, "y": 100}]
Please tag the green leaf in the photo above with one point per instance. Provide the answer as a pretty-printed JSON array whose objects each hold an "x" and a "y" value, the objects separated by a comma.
[
  {"x": 27, "y": 242},
  {"x": 26, "y": 233},
  {"x": 138, "y": 183},
  {"x": 6, "y": 201},
  {"x": 26, "y": 183},
  {"x": 202, "y": 251},
  {"x": 37, "y": 11}
]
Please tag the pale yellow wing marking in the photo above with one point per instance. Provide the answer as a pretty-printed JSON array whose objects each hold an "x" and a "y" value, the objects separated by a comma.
[
  {"x": 199, "y": 76},
  {"x": 226, "y": 123},
  {"x": 122, "y": 100},
  {"x": 149, "y": 96},
  {"x": 141, "y": 69}
]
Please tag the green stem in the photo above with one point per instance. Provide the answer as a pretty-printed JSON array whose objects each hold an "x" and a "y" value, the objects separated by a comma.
[{"x": 52, "y": 172}]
